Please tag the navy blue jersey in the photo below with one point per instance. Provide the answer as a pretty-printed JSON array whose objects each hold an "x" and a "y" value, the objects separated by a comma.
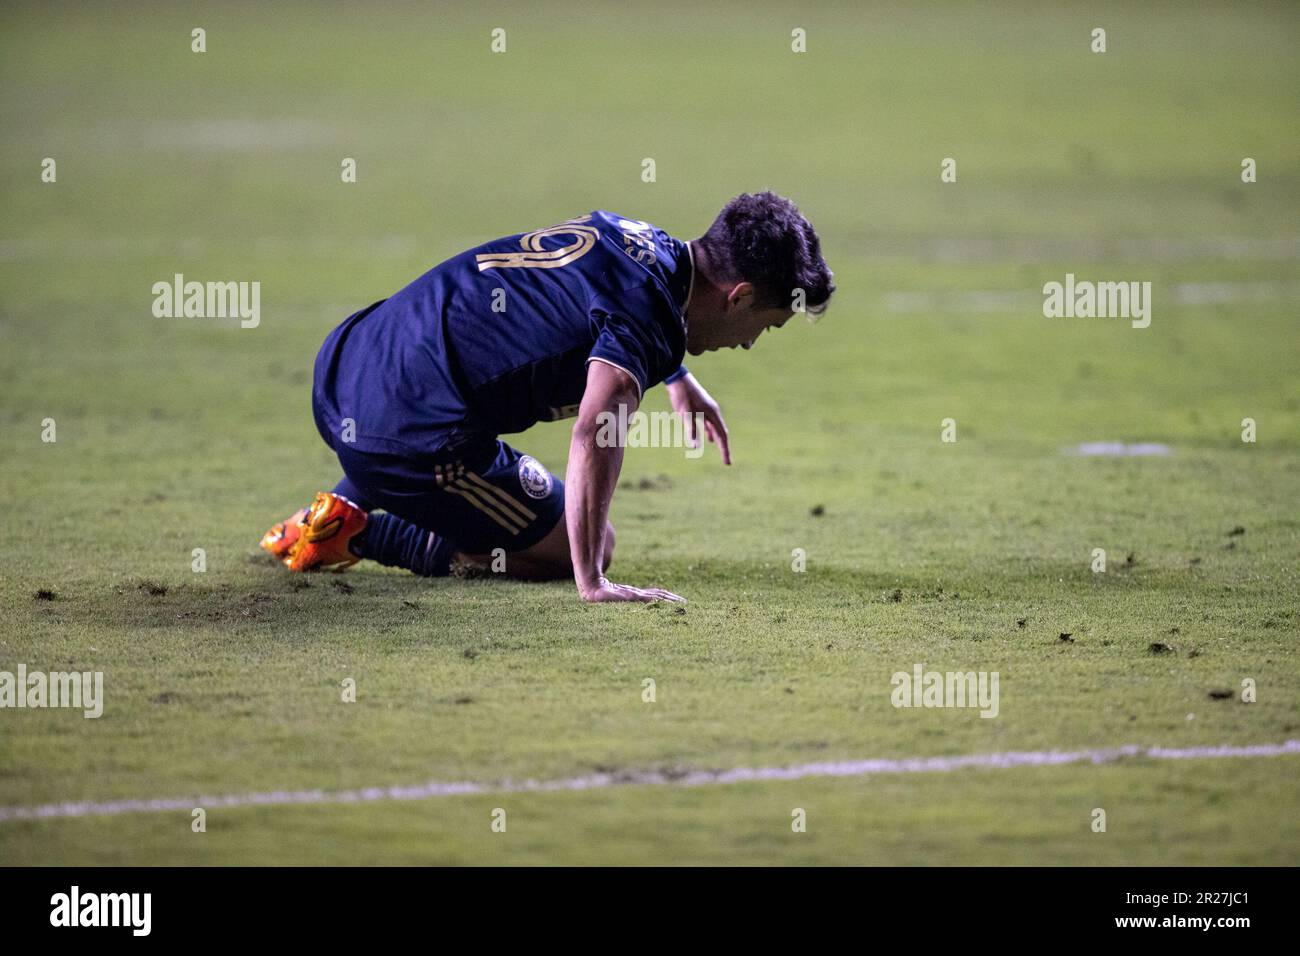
[{"x": 499, "y": 337}]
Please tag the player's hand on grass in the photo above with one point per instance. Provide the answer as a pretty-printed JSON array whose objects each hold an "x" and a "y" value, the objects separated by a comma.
[
  {"x": 606, "y": 590},
  {"x": 689, "y": 398}
]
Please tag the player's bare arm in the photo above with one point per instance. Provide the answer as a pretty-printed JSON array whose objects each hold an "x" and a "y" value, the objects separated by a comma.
[{"x": 592, "y": 475}]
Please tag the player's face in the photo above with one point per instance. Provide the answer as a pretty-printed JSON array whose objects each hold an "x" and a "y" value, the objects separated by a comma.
[
  {"x": 741, "y": 325},
  {"x": 757, "y": 321}
]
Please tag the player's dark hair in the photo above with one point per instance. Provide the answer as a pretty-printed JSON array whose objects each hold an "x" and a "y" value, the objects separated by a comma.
[{"x": 762, "y": 238}]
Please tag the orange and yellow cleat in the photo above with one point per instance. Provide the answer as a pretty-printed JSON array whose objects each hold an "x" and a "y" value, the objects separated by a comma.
[
  {"x": 282, "y": 536},
  {"x": 323, "y": 535}
]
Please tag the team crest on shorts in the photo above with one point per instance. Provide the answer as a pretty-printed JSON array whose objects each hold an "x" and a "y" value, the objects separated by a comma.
[{"x": 534, "y": 478}]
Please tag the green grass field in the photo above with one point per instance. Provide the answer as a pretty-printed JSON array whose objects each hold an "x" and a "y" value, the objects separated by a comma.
[{"x": 176, "y": 434}]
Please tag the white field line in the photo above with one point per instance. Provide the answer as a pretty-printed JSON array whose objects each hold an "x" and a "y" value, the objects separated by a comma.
[
  {"x": 1118, "y": 449},
  {"x": 692, "y": 778}
]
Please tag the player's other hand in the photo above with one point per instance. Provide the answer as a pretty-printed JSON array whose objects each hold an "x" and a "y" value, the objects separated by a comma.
[
  {"x": 689, "y": 398},
  {"x": 606, "y": 590}
]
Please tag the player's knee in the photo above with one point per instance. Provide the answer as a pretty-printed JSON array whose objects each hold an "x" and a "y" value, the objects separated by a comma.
[{"x": 609, "y": 546}]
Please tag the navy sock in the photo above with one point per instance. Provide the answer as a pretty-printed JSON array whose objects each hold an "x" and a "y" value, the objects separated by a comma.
[
  {"x": 389, "y": 540},
  {"x": 348, "y": 490}
]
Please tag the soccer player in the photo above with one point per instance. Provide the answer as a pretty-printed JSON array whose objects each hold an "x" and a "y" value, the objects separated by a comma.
[{"x": 575, "y": 319}]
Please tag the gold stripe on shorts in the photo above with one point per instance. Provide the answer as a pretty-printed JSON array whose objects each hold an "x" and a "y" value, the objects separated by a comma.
[
  {"x": 500, "y": 495},
  {"x": 507, "y": 520}
]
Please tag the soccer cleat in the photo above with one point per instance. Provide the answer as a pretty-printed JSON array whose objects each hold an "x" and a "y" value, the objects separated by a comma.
[
  {"x": 282, "y": 535},
  {"x": 323, "y": 535}
]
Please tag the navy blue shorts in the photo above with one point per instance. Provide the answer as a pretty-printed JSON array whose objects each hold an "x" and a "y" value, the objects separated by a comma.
[{"x": 479, "y": 496}]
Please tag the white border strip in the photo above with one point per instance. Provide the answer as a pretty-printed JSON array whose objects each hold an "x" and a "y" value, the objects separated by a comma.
[{"x": 692, "y": 778}]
